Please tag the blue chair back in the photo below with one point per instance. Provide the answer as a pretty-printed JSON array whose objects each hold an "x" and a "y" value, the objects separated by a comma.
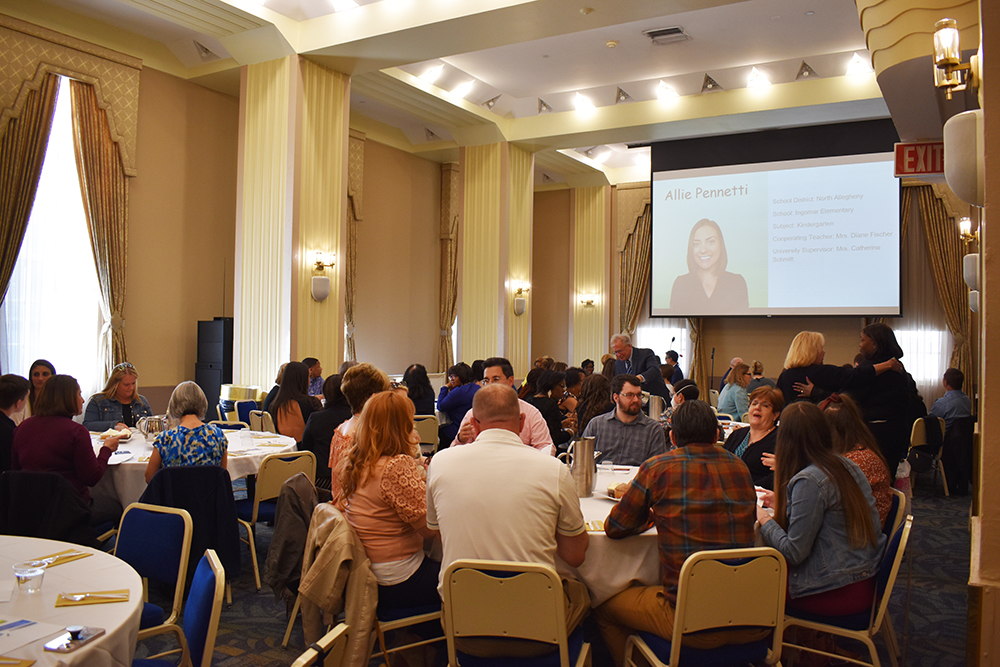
[
  {"x": 885, "y": 567},
  {"x": 243, "y": 409},
  {"x": 202, "y": 608},
  {"x": 152, "y": 543}
]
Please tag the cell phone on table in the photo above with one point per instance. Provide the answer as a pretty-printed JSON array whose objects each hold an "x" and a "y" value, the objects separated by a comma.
[{"x": 64, "y": 642}]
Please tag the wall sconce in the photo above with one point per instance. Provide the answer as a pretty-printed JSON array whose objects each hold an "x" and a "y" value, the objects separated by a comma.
[
  {"x": 520, "y": 287},
  {"x": 949, "y": 72},
  {"x": 319, "y": 287},
  {"x": 589, "y": 300},
  {"x": 965, "y": 230},
  {"x": 324, "y": 259}
]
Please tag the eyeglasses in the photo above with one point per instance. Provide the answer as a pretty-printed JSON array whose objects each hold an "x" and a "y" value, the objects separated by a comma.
[
  {"x": 628, "y": 396},
  {"x": 123, "y": 364}
]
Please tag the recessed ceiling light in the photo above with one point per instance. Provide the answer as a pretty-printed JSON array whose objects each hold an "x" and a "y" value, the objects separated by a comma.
[
  {"x": 611, "y": 43},
  {"x": 757, "y": 79},
  {"x": 341, "y": 5},
  {"x": 810, "y": 13},
  {"x": 582, "y": 103},
  {"x": 431, "y": 75},
  {"x": 857, "y": 66},
  {"x": 463, "y": 89}
]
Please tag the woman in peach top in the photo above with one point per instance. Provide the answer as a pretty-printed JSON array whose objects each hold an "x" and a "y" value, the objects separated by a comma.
[
  {"x": 358, "y": 384},
  {"x": 384, "y": 498}
]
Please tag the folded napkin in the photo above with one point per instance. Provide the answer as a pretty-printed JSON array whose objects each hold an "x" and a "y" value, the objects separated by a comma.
[
  {"x": 596, "y": 526},
  {"x": 61, "y": 557},
  {"x": 7, "y": 661},
  {"x": 94, "y": 598}
]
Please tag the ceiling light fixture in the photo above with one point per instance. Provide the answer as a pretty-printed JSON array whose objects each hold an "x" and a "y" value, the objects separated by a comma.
[
  {"x": 857, "y": 66},
  {"x": 611, "y": 43},
  {"x": 463, "y": 89},
  {"x": 543, "y": 107},
  {"x": 431, "y": 75},
  {"x": 622, "y": 96},
  {"x": 806, "y": 72},
  {"x": 665, "y": 92},
  {"x": 583, "y": 104},
  {"x": 710, "y": 85},
  {"x": 492, "y": 102},
  {"x": 757, "y": 79},
  {"x": 341, "y": 5}
]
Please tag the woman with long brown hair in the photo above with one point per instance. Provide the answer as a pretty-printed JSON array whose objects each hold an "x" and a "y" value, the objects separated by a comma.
[
  {"x": 595, "y": 399},
  {"x": 825, "y": 522},
  {"x": 383, "y": 494}
]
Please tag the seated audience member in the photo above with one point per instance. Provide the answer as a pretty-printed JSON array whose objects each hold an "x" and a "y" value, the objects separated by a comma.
[
  {"x": 419, "y": 389},
  {"x": 469, "y": 501},
  {"x": 625, "y": 435},
  {"x": 545, "y": 363},
  {"x": 477, "y": 373},
  {"x": 359, "y": 383},
  {"x": 119, "y": 405},
  {"x": 50, "y": 441},
  {"x": 677, "y": 492},
  {"x": 344, "y": 366},
  {"x": 853, "y": 439},
  {"x": 574, "y": 385},
  {"x": 549, "y": 390},
  {"x": 315, "y": 376},
  {"x": 825, "y": 521},
  {"x": 732, "y": 364},
  {"x": 266, "y": 405},
  {"x": 686, "y": 390},
  {"x": 734, "y": 400},
  {"x": 190, "y": 441},
  {"x": 595, "y": 399},
  {"x": 750, "y": 443},
  {"x": 321, "y": 425},
  {"x": 384, "y": 498},
  {"x": 560, "y": 366},
  {"x": 955, "y": 403},
  {"x": 530, "y": 385},
  {"x": 534, "y": 431},
  {"x": 293, "y": 404},
  {"x": 757, "y": 378},
  {"x": 640, "y": 362},
  {"x": 39, "y": 371},
  {"x": 676, "y": 374},
  {"x": 455, "y": 399},
  {"x": 13, "y": 397},
  {"x": 588, "y": 367},
  {"x": 608, "y": 362}
]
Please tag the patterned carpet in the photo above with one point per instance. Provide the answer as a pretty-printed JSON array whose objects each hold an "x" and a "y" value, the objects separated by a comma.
[{"x": 932, "y": 628}]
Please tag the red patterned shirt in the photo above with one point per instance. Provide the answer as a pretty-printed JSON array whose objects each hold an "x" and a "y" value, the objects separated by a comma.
[
  {"x": 878, "y": 477},
  {"x": 698, "y": 497}
]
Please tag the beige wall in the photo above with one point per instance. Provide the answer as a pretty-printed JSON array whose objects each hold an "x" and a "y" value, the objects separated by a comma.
[
  {"x": 181, "y": 225},
  {"x": 396, "y": 316},
  {"x": 548, "y": 300}
]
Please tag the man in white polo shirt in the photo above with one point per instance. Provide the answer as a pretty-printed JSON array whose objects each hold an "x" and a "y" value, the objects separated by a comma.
[{"x": 496, "y": 499}]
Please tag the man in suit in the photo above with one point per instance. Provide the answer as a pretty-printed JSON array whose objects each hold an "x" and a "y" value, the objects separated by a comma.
[{"x": 638, "y": 361}]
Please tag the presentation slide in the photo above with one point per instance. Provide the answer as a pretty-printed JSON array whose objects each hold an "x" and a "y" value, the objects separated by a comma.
[{"x": 798, "y": 237}]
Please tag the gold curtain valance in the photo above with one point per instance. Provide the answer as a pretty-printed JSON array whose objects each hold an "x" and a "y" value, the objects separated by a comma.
[{"x": 29, "y": 52}]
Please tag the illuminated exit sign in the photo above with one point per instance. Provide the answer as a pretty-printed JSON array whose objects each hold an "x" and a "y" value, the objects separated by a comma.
[{"x": 920, "y": 159}]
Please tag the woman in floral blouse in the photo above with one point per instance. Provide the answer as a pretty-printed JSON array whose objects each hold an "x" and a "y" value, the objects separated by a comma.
[{"x": 190, "y": 442}]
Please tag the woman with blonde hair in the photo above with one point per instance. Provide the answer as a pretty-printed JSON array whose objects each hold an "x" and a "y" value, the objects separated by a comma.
[
  {"x": 190, "y": 441},
  {"x": 119, "y": 405},
  {"x": 383, "y": 494},
  {"x": 734, "y": 400},
  {"x": 806, "y": 377}
]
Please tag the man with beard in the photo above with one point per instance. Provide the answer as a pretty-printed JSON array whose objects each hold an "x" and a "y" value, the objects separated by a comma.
[{"x": 625, "y": 435}]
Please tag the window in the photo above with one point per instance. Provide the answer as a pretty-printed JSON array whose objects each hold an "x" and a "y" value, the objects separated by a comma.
[
  {"x": 657, "y": 333},
  {"x": 52, "y": 307}
]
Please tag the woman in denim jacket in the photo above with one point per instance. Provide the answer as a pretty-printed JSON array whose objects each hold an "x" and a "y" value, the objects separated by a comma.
[
  {"x": 825, "y": 522},
  {"x": 119, "y": 404}
]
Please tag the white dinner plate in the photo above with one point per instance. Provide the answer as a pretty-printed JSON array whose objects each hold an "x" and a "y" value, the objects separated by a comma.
[{"x": 121, "y": 456}]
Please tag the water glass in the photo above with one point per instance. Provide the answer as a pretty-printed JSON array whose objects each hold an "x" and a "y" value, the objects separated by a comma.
[{"x": 29, "y": 575}]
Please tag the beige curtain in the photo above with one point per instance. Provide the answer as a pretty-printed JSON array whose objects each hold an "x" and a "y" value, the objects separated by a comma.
[
  {"x": 635, "y": 267},
  {"x": 944, "y": 249},
  {"x": 350, "y": 354},
  {"x": 22, "y": 151},
  {"x": 105, "y": 202},
  {"x": 697, "y": 357},
  {"x": 449, "y": 291}
]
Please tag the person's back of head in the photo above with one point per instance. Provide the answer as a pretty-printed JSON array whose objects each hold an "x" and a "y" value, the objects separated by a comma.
[
  {"x": 688, "y": 389},
  {"x": 59, "y": 397},
  {"x": 13, "y": 389},
  {"x": 477, "y": 370},
  {"x": 574, "y": 377},
  {"x": 344, "y": 366},
  {"x": 496, "y": 406},
  {"x": 548, "y": 381},
  {"x": 332, "y": 396},
  {"x": 187, "y": 398},
  {"x": 757, "y": 368},
  {"x": 953, "y": 377},
  {"x": 360, "y": 382},
  {"x": 530, "y": 387},
  {"x": 805, "y": 349},
  {"x": 694, "y": 422},
  {"x": 418, "y": 384},
  {"x": 310, "y": 362}
]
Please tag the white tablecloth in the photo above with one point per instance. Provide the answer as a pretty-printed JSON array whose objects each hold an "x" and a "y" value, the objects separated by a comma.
[
  {"x": 127, "y": 480},
  {"x": 99, "y": 572},
  {"x": 612, "y": 566}
]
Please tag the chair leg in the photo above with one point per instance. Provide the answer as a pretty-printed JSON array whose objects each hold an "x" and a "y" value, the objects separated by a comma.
[
  {"x": 253, "y": 551},
  {"x": 291, "y": 623},
  {"x": 229, "y": 594},
  {"x": 889, "y": 634},
  {"x": 944, "y": 479}
]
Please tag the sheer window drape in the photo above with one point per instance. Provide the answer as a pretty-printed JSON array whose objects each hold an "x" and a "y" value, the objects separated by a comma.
[
  {"x": 105, "y": 194},
  {"x": 635, "y": 269}
]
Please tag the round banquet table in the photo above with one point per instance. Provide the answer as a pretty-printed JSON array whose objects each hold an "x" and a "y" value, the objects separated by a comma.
[
  {"x": 611, "y": 566},
  {"x": 125, "y": 478},
  {"x": 97, "y": 572}
]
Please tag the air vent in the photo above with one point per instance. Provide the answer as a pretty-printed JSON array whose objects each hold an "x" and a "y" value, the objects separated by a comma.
[{"x": 661, "y": 36}]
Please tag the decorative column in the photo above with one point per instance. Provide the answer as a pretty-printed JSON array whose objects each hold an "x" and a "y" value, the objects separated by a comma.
[
  {"x": 451, "y": 213},
  {"x": 291, "y": 203},
  {"x": 591, "y": 273}
]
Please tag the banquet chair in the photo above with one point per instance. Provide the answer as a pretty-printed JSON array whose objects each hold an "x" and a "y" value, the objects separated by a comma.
[
  {"x": 396, "y": 619},
  {"x": 722, "y": 416},
  {"x": 896, "y": 512},
  {"x": 243, "y": 409},
  {"x": 508, "y": 600},
  {"x": 156, "y": 542},
  {"x": 721, "y": 588},
  {"x": 919, "y": 442},
  {"x": 274, "y": 470},
  {"x": 44, "y": 504},
  {"x": 329, "y": 650},
  {"x": 713, "y": 397},
  {"x": 206, "y": 492},
  {"x": 864, "y": 625},
  {"x": 230, "y": 424},
  {"x": 427, "y": 429},
  {"x": 201, "y": 618}
]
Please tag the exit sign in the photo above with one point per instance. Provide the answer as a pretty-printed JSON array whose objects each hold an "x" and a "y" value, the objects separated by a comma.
[{"x": 920, "y": 159}]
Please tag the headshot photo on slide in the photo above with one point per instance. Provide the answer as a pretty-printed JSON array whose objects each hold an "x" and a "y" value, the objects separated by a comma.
[{"x": 708, "y": 287}]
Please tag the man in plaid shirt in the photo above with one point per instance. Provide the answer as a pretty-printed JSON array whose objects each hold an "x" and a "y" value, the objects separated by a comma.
[{"x": 699, "y": 496}]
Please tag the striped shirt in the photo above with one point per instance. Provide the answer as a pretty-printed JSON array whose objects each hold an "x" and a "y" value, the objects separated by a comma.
[{"x": 698, "y": 497}]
